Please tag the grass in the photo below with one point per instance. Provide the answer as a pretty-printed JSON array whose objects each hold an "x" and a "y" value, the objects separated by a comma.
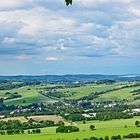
[
  {"x": 32, "y": 95},
  {"x": 54, "y": 118},
  {"x": 119, "y": 95},
  {"x": 79, "y": 92},
  {"x": 22, "y": 119},
  {"x": 113, "y": 127},
  {"x": 28, "y": 96}
]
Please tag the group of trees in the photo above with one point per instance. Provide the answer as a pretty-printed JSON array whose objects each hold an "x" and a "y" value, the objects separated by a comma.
[
  {"x": 27, "y": 110},
  {"x": 53, "y": 94},
  {"x": 136, "y": 92},
  {"x": 137, "y": 98},
  {"x": 132, "y": 135},
  {"x": 16, "y": 124},
  {"x": 117, "y": 137},
  {"x": 66, "y": 129},
  {"x": 103, "y": 116},
  {"x": 7, "y": 85},
  {"x": 75, "y": 117},
  {"x": 105, "y": 138},
  {"x": 12, "y": 95},
  {"x": 107, "y": 82},
  {"x": 17, "y": 131},
  {"x": 34, "y": 131},
  {"x": 12, "y": 132}
]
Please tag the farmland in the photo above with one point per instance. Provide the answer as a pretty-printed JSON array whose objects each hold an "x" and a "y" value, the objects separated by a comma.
[
  {"x": 27, "y": 96},
  {"x": 112, "y": 107},
  {"x": 30, "y": 94},
  {"x": 107, "y": 128}
]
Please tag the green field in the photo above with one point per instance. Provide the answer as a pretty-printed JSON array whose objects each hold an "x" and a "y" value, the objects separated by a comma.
[
  {"x": 89, "y": 88},
  {"x": 103, "y": 128},
  {"x": 28, "y": 96},
  {"x": 119, "y": 95},
  {"x": 33, "y": 95}
]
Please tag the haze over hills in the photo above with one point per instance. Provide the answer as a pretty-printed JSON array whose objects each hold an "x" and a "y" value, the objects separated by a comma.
[{"x": 72, "y": 78}]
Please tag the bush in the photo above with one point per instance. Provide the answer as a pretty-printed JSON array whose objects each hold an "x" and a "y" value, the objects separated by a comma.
[
  {"x": 132, "y": 135},
  {"x": 92, "y": 127},
  {"x": 116, "y": 137},
  {"x": 106, "y": 137},
  {"x": 60, "y": 123},
  {"x": 38, "y": 131},
  {"x": 67, "y": 129},
  {"x": 93, "y": 138}
]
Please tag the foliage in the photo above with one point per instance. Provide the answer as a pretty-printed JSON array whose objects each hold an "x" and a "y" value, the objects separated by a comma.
[
  {"x": 67, "y": 129},
  {"x": 18, "y": 125},
  {"x": 132, "y": 135},
  {"x": 92, "y": 127},
  {"x": 103, "y": 116},
  {"x": 116, "y": 137},
  {"x": 68, "y": 2},
  {"x": 137, "y": 123},
  {"x": 75, "y": 117}
]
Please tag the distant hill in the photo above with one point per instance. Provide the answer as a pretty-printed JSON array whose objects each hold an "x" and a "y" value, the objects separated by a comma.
[{"x": 71, "y": 78}]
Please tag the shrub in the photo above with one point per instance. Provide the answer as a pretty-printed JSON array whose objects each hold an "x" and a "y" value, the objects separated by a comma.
[{"x": 67, "y": 129}]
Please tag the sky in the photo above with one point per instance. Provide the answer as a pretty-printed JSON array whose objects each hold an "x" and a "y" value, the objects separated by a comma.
[{"x": 41, "y": 37}]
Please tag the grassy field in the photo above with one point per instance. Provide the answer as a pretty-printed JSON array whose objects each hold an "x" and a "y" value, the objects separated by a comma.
[
  {"x": 79, "y": 92},
  {"x": 22, "y": 119},
  {"x": 28, "y": 96},
  {"x": 103, "y": 128},
  {"x": 119, "y": 95}
]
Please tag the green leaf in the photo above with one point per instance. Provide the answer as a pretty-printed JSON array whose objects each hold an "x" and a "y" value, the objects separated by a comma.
[{"x": 68, "y": 2}]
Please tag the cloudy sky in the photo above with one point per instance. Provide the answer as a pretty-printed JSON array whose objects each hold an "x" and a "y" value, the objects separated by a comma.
[{"x": 91, "y": 36}]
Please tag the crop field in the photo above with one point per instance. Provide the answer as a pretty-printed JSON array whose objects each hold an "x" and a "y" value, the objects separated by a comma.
[
  {"x": 54, "y": 118},
  {"x": 103, "y": 128},
  {"x": 22, "y": 119}
]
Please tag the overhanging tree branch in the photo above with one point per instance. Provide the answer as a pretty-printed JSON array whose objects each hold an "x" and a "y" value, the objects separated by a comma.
[{"x": 68, "y": 2}]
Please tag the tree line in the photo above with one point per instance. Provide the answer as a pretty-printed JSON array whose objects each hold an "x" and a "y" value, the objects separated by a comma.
[
  {"x": 17, "y": 131},
  {"x": 18, "y": 125}
]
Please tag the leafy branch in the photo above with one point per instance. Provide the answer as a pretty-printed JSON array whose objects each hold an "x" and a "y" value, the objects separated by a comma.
[{"x": 68, "y": 2}]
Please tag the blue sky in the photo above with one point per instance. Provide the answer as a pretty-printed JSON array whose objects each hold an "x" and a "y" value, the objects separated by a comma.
[{"x": 91, "y": 36}]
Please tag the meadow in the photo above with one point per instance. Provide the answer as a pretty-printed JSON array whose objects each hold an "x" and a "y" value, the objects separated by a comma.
[
  {"x": 103, "y": 128},
  {"x": 30, "y": 94}
]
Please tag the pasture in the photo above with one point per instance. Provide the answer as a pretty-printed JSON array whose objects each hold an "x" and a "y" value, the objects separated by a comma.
[
  {"x": 78, "y": 92},
  {"x": 118, "y": 95},
  {"x": 30, "y": 94},
  {"x": 103, "y": 128}
]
